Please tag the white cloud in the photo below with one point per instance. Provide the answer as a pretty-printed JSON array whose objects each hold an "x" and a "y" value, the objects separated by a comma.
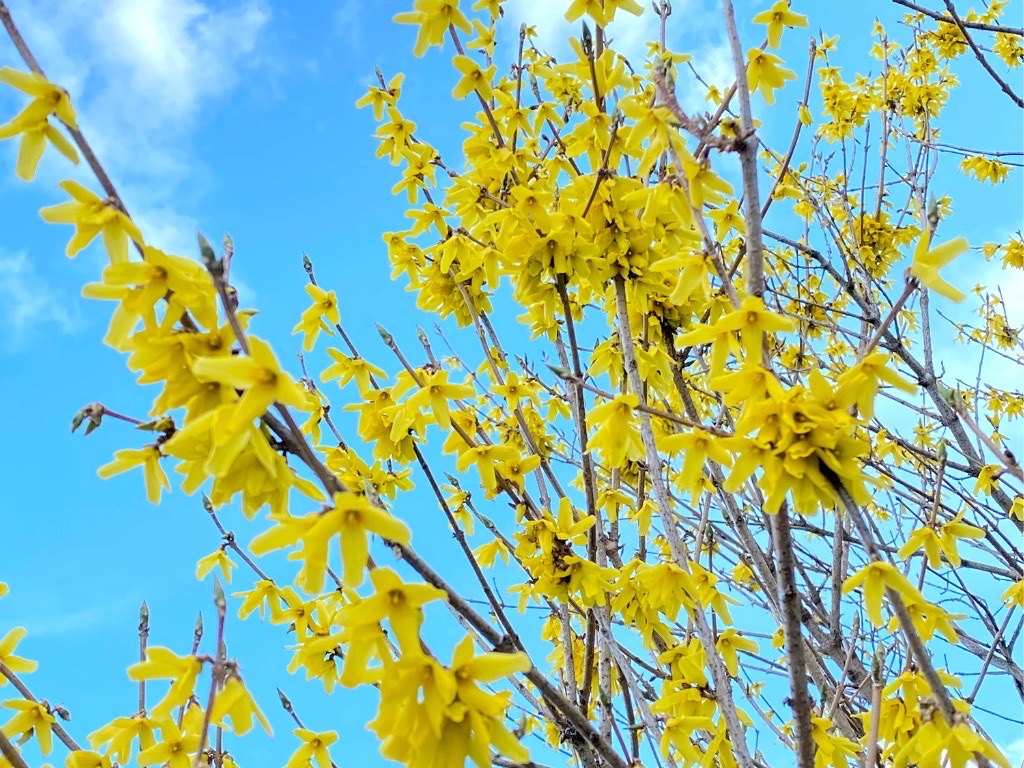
[
  {"x": 140, "y": 70},
  {"x": 29, "y": 303},
  {"x": 348, "y": 24},
  {"x": 1015, "y": 752},
  {"x": 140, "y": 73},
  {"x": 713, "y": 62}
]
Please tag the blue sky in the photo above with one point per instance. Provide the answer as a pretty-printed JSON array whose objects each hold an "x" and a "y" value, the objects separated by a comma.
[{"x": 238, "y": 116}]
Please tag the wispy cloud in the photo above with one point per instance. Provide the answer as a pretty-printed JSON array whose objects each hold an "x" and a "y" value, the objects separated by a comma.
[
  {"x": 1015, "y": 752},
  {"x": 29, "y": 303},
  {"x": 141, "y": 72},
  {"x": 348, "y": 24}
]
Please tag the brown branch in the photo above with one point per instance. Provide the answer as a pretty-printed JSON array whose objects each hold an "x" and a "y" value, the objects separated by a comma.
[
  {"x": 58, "y": 730},
  {"x": 11, "y": 753},
  {"x": 1019, "y": 31},
  {"x": 1003, "y": 85},
  {"x": 746, "y": 147},
  {"x": 791, "y": 607}
]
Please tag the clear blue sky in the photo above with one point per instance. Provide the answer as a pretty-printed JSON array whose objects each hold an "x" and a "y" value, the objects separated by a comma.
[{"x": 238, "y": 116}]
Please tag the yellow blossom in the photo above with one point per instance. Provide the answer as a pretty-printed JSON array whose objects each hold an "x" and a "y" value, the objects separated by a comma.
[
  {"x": 322, "y": 315},
  {"x": 174, "y": 748},
  {"x": 8, "y": 659},
  {"x": 30, "y": 718},
  {"x": 162, "y": 663},
  {"x": 777, "y": 17},
  {"x": 92, "y": 216},
  {"x": 216, "y": 559},
  {"x": 33, "y": 121},
  {"x": 235, "y": 702},
  {"x": 82, "y": 758},
  {"x": 433, "y": 18},
  {"x": 928, "y": 261},
  {"x": 149, "y": 459},
  {"x": 474, "y": 78},
  {"x": 259, "y": 374},
  {"x": 765, "y": 73},
  {"x": 875, "y": 578},
  {"x": 314, "y": 748}
]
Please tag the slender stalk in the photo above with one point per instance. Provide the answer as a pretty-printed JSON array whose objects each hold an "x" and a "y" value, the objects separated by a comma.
[
  {"x": 11, "y": 753},
  {"x": 143, "y": 638},
  {"x": 723, "y": 686},
  {"x": 790, "y": 604},
  {"x": 747, "y": 149},
  {"x": 58, "y": 729},
  {"x": 217, "y": 673}
]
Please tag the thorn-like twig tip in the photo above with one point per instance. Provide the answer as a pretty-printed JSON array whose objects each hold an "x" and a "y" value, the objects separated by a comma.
[
  {"x": 219, "y": 599},
  {"x": 285, "y": 701}
]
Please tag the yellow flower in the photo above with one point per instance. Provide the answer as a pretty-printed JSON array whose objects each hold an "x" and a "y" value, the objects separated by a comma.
[
  {"x": 1014, "y": 595},
  {"x": 862, "y": 382},
  {"x": 437, "y": 391},
  {"x": 91, "y": 216},
  {"x": 149, "y": 459},
  {"x": 121, "y": 732},
  {"x": 353, "y": 518},
  {"x": 486, "y": 458},
  {"x": 235, "y": 701},
  {"x": 698, "y": 447},
  {"x": 985, "y": 169},
  {"x": 139, "y": 285},
  {"x": 216, "y": 559},
  {"x": 259, "y": 374},
  {"x": 162, "y": 663},
  {"x": 765, "y": 73},
  {"x": 729, "y": 642},
  {"x": 264, "y": 594},
  {"x": 487, "y": 554},
  {"x": 923, "y": 538},
  {"x": 953, "y": 530},
  {"x": 833, "y": 749},
  {"x": 433, "y": 17},
  {"x": 474, "y": 78},
  {"x": 988, "y": 478},
  {"x": 379, "y": 98},
  {"x": 82, "y": 758},
  {"x": 33, "y": 122},
  {"x": 602, "y": 11},
  {"x": 876, "y": 578},
  {"x": 617, "y": 436},
  {"x": 345, "y": 368},
  {"x": 32, "y": 718},
  {"x": 395, "y": 600},
  {"x": 778, "y": 638},
  {"x": 777, "y": 17},
  {"x": 7, "y": 657},
  {"x": 752, "y": 319},
  {"x": 320, "y": 316},
  {"x": 728, "y": 218},
  {"x": 928, "y": 261},
  {"x": 173, "y": 749},
  {"x": 314, "y": 747}
]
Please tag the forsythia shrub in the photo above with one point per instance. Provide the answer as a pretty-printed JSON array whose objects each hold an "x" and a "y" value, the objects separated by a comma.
[{"x": 755, "y": 473}]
